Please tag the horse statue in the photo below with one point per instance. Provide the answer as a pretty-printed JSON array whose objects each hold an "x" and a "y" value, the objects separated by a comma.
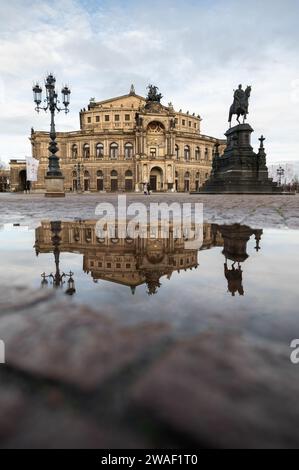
[{"x": 240, "y": 104}]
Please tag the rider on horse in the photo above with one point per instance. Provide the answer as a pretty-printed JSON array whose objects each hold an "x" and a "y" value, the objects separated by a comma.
[
  {"x": 240, "y": 104},
  {"x": 240, "y": 98}
]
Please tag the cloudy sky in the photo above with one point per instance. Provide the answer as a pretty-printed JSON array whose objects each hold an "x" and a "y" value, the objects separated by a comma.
[{"x": 196, "y": 51}]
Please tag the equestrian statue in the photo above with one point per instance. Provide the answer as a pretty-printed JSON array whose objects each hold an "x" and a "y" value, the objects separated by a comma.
[{"x": 240, "y": 104}]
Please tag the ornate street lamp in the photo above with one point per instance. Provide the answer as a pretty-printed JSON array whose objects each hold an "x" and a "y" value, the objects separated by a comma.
[
  {"x": 280, "y": 174},
  {"x": 79, "y": 167},
  {"x": 54, "y": 178}
]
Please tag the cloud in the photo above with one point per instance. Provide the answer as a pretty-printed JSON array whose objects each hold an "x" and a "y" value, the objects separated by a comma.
[{"x": 195, "y": 51}]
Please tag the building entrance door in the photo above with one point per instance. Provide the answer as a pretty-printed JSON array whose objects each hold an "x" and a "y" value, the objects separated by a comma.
[
  {"x": 23, "y": 186},
  {"x": 156, "y": 179},
  {"x": 86, "y": 185},
  {"x": 114, "y": 184},
  {"x": 153, "y": 182},
  {"x": 100, "y": 184},
  {"x": 128, "y": 184},
  {"x": 187, "y": 186}
]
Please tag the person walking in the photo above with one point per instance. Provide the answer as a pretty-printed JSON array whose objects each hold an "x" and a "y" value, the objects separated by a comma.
[
  {"x": 145, "y": 189},
  {"x": 148, "y": 189}
]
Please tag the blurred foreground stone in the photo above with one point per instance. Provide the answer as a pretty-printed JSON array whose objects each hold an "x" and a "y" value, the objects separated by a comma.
[
  {"x": 69, "y": 343},
  {"x": 74, "y": 378},
  {"x": 225, "y": 391}
]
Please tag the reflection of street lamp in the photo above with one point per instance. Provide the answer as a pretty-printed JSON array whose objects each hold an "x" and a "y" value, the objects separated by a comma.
[
  {"x": 79, "y": 167},
  {"x": 57, "y": 279},
  {"x": 280, "y": 174}
]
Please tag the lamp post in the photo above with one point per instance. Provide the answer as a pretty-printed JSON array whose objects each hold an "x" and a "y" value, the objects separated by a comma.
[
  {"x": 54, "y": 178},
  {"x": 78, "y": 167},
  {"x": 57, "y": 279},
  {"x": 280, "y": 173}
]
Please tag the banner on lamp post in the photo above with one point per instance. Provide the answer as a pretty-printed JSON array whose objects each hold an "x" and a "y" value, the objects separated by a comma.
[{"x": 31, "y": 168}]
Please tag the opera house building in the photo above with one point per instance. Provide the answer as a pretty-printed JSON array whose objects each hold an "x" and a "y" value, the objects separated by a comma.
[{"x": 124, "y": 142}]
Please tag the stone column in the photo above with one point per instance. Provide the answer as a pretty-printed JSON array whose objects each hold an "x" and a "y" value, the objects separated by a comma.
[{"x": 137, "y": 176}]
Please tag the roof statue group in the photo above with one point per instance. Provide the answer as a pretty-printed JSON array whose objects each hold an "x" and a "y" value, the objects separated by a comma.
[{"x": 153, "y": 94}]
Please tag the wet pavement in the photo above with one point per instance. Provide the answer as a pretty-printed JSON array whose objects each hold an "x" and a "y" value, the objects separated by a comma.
[
  {"x": 130, "y": 344},
  {"x": 260, "y": 211}
]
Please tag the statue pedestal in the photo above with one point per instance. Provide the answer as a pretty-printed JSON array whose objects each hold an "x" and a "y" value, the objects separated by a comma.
[
  {"x": 240, "y": 170},
  {"x": 54, "y": 186}
]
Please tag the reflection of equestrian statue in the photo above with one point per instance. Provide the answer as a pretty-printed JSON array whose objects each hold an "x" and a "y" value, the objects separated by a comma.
[
  {"x": 234, "y": 279},
  {"x": 240, "y": 104},
  {"x": 153, "y": 94}
]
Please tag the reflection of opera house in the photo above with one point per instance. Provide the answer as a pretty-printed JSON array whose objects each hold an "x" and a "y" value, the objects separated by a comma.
[{"x": 132, "y": 262}]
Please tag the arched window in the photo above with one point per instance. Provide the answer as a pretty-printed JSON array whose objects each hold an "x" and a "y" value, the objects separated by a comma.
[
  {"x": 76, "y": 233},
  {"x": 206, "y": 154},
  {"x": 86, "y": 151},
  {"x": 128, "y": 151},
  {"x": 177, "y": 152},
  {"x": 187, "y": 152},
  {"x": 176, "y": 181},
  {"x": 75, "y": 181},
  {"x": 100, "y": 180},
  {"x": 187, "y": 182},
  {"x": 74, "y": 151},
  {"x": 113, "y": 151},
  {"x": 197, "y": 181},
  {"x": 88, "y": 235},
  {"x": 114, "y": 180},
  {"x": 99, "y": 150},
  {"x": 86, "y": 181},
  {"x": 128, "y": 180},
  {"x": 197, "y": 153}
]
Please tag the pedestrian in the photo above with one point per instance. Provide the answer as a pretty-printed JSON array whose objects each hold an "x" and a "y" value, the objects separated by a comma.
[
  {"x": 145, "y": 189},
  {"x": 148, "y": 187}
]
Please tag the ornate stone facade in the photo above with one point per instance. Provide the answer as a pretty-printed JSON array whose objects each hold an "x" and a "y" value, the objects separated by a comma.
[
  {"x": 4, "y": 180},
  {"x": 126, "y": 261},
  {"x": 127, "y": 141}
]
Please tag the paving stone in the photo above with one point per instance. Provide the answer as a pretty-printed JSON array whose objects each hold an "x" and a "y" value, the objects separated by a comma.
[
  {"x": 66, "y": 429},
  {"x": 224, "y": 390},
  {"x": 71, "y": 344},
  {"x": 12, "y": 405},
  {"x": 33, "y": 419}
]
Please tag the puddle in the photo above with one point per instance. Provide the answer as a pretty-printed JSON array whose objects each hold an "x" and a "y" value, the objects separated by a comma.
[{"x": 249, "y": 274}]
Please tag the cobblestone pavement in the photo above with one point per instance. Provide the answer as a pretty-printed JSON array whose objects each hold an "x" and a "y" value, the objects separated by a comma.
[
  {"x": 74, "y": 378},
  {"x": 253, "y": 210}
]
